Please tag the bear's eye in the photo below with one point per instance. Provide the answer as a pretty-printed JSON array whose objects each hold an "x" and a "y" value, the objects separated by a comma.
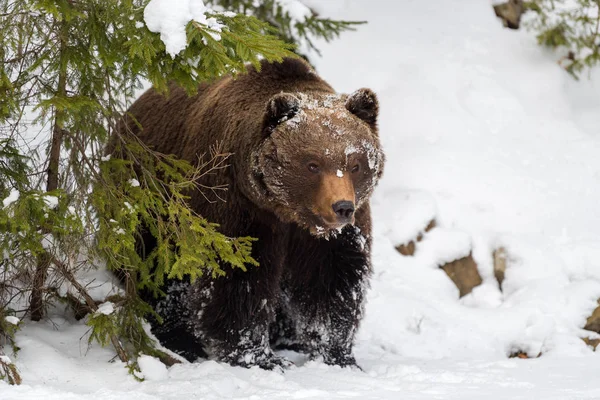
[
  {"x": 313, "y": 167},
  {"x": 355, "y": 169}
]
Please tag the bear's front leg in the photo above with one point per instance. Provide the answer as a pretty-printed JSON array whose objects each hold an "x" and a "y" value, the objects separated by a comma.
[
  {"x": 233, "y": 313},
  {"x": 248, "y": 347},
  {"x": 233, "y": 317},
  {"x": 326, "y": 287}
]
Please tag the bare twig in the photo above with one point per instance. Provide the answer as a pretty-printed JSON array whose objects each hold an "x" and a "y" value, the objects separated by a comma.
[{"x": 167, "y": 359}]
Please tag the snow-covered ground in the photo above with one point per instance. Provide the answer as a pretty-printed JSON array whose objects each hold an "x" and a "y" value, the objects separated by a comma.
[{"x": 483, "y": 133}]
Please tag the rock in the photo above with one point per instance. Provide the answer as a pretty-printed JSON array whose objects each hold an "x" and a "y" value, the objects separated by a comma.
[
  {"x": 409, "y": 248},
  {"x": 593, "y": 343},
  {"x": 523, "y": 355},
  {"x": 593, "y": 322},
  {"x": 510, "y": 13},
  {"x": 463, "y": 273},
  {"x": 499, "y": 265}
]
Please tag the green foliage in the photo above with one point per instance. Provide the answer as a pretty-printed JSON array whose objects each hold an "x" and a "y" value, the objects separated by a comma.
[
  {"x": 290, "y": 27},
  {"x": 7, "y": 330},
  {"x": 244, "y": 39},
  {"x": 13, "y": 167},
  {"x": 154, "y": 198},
  {"x": 68, "y": 71},
  {"x": 8, "y": 371},
  {"x": 124, "y": 322},
  {"x": 13, "y": 175},
  {"x": 37, "y": 224},
  {"x": 573, "y": 25}
]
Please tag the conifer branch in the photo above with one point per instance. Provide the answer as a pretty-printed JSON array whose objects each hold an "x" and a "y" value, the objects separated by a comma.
[
  {"x": 571, "y": 27},
  {"x": 8, "y": 370}
]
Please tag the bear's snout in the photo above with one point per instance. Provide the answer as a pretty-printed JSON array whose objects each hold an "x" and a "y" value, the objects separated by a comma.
[
  {"x": 335, "y": 200},
  {"x": 344, "y": 210}
]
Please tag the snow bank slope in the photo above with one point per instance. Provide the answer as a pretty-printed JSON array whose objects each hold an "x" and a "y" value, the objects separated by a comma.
[{"x": 484, "y": 133}]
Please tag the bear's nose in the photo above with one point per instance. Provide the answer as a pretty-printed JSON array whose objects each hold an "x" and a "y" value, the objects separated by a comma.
[{"x": 344, "y": 210}]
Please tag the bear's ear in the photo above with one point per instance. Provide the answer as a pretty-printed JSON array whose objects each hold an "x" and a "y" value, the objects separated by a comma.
[
  {"x": 280, "y": 108},
  {"x": 363, "y": 103}
]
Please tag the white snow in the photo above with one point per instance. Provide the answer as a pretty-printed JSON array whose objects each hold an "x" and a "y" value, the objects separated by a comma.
[
  {"x": 12, "y": 197},
  {"x": 50, "y": 201},
  {"x": 442, "y": 245},
  {"x": 350, "y": 149},
  {"x": 129, "y": 207},
  {"x": 170, "y": 18},
  {"x": 152, "y": 368},
  {"x": 99, "y": 284},
  {"x": 228, "y": 14},
  {"x": 106, "y": 308},
  {"x": 405, "y": 214},
  {"x": 134, "y": 183},
  {"x": 296, "y": 9},
  {"x": 487, "y": 136},
  {"x": 12, "y": 320}
]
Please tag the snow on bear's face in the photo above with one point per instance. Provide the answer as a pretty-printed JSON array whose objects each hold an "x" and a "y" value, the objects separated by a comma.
[{"x": 320, "y": 158}]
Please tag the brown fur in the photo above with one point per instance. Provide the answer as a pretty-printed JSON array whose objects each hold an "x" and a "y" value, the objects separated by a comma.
[{"x": 278, "y": 123}]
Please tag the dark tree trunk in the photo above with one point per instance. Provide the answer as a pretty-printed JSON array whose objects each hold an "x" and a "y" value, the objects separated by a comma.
[{"x": 36, "y": 305}]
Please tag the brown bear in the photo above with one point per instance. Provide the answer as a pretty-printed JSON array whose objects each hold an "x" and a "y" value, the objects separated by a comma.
[{"x": 304, "y": 162}]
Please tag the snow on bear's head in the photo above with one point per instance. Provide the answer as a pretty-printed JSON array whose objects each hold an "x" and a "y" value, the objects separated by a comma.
[{"x": 320, "y": 157}]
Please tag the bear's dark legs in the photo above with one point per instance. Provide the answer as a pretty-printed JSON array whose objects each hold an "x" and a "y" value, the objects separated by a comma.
[
  {"x": 234, "y": 319},
  {"x": 283, "y": 331},
  {"x": 326, "y": 288},
  {"x": 174, "y": 332},
  {"x": 235, "y": 311}
]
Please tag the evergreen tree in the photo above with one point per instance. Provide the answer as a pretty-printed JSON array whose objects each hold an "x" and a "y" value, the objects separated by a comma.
[
  {"x": 573, "y": 25},
  {"x": 69, "y": 70},
  {"x": 296, "y": 27}
]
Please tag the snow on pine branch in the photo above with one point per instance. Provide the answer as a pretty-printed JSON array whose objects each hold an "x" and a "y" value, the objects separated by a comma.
[
  {"x": 297, "y": 10},
  {"x": 12, "y": 320},
  {"x": 170, "y": 18},
  {"x": 11, "y": 198}
]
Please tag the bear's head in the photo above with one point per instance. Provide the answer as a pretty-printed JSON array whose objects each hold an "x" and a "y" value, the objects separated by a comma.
[{"x": 319, "y": 158}]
